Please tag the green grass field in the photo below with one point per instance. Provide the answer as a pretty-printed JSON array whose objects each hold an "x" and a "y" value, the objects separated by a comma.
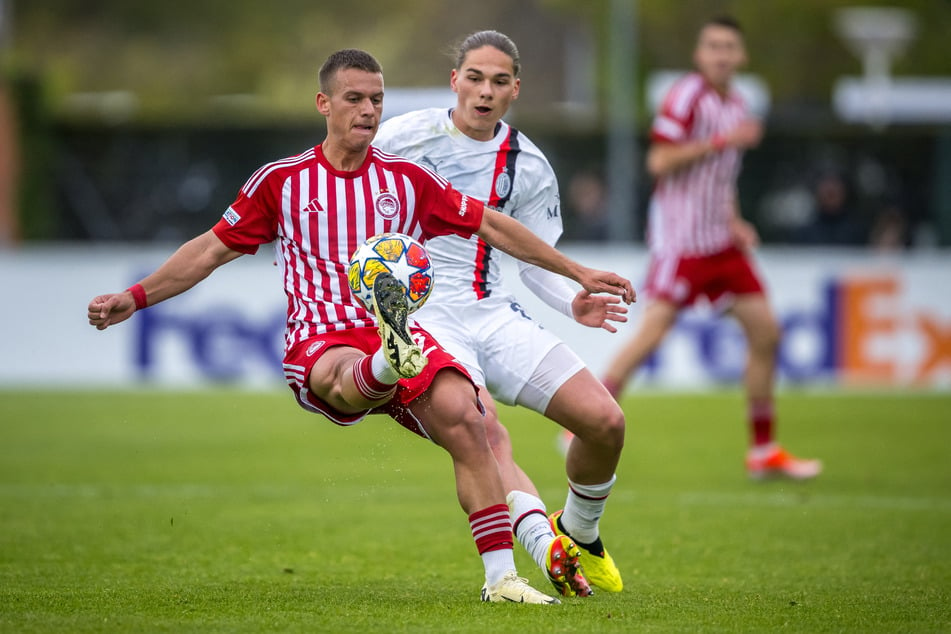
[{"x": 229, "y": 511}]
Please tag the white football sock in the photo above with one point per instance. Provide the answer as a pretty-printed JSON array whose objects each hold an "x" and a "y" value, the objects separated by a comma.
[
  {"x": 583, "y": 509},
  {"x": 531, "y": 525},
  {"x": 382, "y": 370},
  {"x": 497, "y": 563}
]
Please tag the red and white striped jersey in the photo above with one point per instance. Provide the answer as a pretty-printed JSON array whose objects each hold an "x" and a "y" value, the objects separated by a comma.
[
  {"x": 691, "y": 208},
  {"x": 509, "y": 172},
  {"x": 317, "y": 216}
]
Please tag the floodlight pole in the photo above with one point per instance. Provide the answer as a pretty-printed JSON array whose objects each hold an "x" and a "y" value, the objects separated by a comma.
[
  {"x": 621, "y": 135},
  {"x": 6, "y": 27}
]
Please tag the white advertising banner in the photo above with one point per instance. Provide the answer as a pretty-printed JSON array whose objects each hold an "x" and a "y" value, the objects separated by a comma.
[{"x": 850, "y": 319}]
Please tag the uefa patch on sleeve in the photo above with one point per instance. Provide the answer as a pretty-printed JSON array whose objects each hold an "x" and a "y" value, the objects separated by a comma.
[{"x": 231, "y": 217}]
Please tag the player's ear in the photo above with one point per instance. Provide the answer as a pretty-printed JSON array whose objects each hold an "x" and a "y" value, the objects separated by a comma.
[
  {"x": 517, "y": 84},
  {"x": 323, "y": 103},
  {"x": 743, "y": 59},
  {"x": 453, "y": 79}
]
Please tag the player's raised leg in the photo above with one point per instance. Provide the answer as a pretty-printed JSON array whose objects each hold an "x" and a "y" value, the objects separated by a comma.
[{"x": 391, "y": 310}]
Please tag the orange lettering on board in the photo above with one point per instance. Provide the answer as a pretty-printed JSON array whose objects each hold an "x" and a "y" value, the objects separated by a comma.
[
  {"x": 859, "y": 324},
  {"x": 937, "y": 347}
]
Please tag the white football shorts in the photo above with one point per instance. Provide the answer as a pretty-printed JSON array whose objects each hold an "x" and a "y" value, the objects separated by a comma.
[{"x": 503, "y": 349}]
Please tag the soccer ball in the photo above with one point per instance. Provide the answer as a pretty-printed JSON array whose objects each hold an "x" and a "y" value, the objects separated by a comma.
[{"x": 398, "y": 254}]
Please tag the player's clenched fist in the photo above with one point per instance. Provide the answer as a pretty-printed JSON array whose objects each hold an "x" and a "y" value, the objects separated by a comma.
[{"x": 105, "y": 310}]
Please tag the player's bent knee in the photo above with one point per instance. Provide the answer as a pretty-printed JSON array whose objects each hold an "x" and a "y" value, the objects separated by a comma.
[
  {"x": 615, "y": 426},
  {"x": 452, "y": 416},
  {"x": 605, "y": 425},
  {"x": 465, "y": 434},
  {"x": 496, "y": 433},
  {"x": 767, "y": 339}
]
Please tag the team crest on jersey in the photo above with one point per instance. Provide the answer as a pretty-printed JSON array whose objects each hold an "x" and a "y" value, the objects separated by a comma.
[
  {"x": 231, "y": 217},
  {"x": 503, "y": 184},
  {"x": 386, "y": 204}
]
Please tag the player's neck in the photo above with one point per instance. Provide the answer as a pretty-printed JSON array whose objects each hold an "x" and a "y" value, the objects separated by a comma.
[
  {"x": 478, "y": 135},
  {"x": 721, "y": 87},
  {"x": 342, "y": 158}
]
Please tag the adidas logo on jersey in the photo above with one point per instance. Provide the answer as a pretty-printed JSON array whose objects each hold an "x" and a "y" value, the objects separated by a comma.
[{"x": 312, "y": 207}]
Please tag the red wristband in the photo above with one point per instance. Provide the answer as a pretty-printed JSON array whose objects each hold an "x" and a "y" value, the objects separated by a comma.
[
  {"x": 138, "y": 294},
  {"x": 718, "y": 142}
]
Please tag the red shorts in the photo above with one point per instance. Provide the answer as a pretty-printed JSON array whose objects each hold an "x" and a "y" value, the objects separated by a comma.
[
  {"x": 718, "y": 277},
  {"x": 299, "y": 360}
]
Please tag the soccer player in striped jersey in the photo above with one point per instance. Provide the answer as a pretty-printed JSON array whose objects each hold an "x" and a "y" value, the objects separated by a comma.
[
  {"x": 699, "y": 243},
  {"x": 482, "y": 325},
  {"x": 317, "y": 207}
]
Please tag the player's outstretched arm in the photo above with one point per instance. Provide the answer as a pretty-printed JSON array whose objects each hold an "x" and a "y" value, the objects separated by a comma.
[
  {"x": 191, "y": 263},
  {"x": 666, "y": 158},
  {"x": 594, "y": 311},
  {"x": 512, "y": 237}
]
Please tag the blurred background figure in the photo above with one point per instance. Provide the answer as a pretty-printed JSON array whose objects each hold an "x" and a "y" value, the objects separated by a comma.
[
  {"x": 834, "y": 219},
  {"x": 889, "y": 232},
  {"x": 586, "y": 212}
]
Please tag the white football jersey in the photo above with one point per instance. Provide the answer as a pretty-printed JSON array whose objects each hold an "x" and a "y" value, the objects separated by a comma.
[{"x": 509, "y": 172}]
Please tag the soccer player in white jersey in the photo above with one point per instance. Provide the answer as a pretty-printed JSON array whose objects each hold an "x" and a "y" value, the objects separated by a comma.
[
  {"x": 317, "y": 207},
  {"x": 699, "y": 243},
  {"x": 481, "y": 323}
]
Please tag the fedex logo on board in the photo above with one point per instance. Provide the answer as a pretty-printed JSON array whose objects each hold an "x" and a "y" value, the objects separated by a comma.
[
  {"x": 858, "y": 330},
  {"x": 882, "y": 340}
]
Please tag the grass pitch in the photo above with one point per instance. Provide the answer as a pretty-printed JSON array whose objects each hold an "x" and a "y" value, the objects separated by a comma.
[{"x": 229, "y": 511}]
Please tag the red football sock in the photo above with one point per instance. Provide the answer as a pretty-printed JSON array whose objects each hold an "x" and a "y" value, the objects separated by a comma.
[
  {"x": 492, "y": 532},
  {"x": 761, "y": 420},
  {"x": 492, "y": 528}
]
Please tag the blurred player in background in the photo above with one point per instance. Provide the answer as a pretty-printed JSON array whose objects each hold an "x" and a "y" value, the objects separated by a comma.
[
  {"x": 318, "y": 207},
  {"x": 699, "y": 244},
  {"x": 480, "y": 323}
]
